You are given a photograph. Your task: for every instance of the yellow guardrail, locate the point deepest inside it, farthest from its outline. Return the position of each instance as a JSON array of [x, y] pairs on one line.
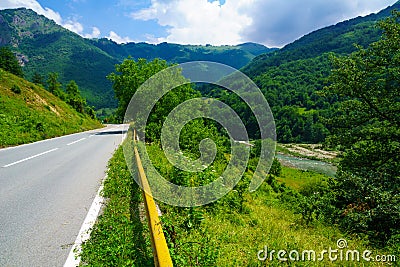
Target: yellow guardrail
[[158, 242]]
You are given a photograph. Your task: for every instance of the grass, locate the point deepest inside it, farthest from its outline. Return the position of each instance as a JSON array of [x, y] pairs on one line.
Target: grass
[[235, 238], [297, 179], [29, 113], [119, 237], [218, 234]]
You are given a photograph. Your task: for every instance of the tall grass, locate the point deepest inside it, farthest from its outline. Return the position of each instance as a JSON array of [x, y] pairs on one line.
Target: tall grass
[[224, 233]]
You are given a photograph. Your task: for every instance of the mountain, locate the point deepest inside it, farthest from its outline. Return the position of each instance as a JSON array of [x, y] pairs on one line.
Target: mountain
[[30, 113], [234, 56], [339, 38], [292, 78], [43, 46]]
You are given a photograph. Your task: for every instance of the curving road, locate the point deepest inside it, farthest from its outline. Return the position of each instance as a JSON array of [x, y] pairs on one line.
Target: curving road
[[46, 189]]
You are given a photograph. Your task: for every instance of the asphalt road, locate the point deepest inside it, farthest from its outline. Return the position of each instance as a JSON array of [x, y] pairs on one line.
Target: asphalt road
[[46, 189]]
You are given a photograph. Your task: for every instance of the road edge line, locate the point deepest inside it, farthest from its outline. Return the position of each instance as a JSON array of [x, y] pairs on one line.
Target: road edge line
[[74, 258], [49, 139], [87, 226]]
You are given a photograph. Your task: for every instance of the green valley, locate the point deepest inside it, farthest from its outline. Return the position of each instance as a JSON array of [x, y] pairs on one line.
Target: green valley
[[293, 209], [335, 100]]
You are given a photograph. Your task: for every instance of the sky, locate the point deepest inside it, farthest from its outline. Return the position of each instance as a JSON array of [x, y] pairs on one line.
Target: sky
[[273, 23]]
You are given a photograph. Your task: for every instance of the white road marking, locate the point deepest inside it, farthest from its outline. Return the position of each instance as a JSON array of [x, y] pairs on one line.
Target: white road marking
[[74, 258], [76, 141], [47, 140], [31, 157]]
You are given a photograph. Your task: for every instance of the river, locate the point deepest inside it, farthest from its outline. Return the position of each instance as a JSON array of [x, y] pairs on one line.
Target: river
[[308, 164]]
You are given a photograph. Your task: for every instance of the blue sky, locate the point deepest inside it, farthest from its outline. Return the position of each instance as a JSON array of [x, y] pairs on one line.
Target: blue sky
[[271, 22]]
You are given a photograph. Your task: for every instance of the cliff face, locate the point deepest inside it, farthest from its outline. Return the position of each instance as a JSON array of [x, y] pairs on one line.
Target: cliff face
[[17, 25]]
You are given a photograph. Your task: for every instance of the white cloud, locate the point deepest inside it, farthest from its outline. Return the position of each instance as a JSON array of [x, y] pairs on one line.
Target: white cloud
[[271, 22], [95, 33], [278, 22], [34, 5], [118, 39], [77, 27], [71, 24], [198, 21]]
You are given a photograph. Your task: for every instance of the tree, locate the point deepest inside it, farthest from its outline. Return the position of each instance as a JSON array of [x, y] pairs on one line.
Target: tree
[[54, 86], [9, 62], [74, 98], [37, 78], [129, 75], [367, 126]]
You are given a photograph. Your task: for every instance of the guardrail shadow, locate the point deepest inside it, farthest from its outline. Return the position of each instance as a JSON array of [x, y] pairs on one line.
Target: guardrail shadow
[[112, 132], [143, 256]]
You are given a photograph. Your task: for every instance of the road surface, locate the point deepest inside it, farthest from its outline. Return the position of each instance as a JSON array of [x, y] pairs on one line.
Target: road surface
[[46, 189]]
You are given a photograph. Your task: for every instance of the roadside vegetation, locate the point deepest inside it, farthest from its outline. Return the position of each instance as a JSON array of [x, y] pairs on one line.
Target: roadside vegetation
[[281, 214], [231, 231], [120, 236], [29, 113], [293, 209]]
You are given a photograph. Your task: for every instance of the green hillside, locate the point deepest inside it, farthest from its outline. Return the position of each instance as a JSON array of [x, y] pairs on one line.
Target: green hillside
[[43, 46], [339, 38], [235, 56], [293, 77], [29, 113]]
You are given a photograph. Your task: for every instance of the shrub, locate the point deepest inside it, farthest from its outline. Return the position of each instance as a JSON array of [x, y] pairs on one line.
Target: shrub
[[16, 89]]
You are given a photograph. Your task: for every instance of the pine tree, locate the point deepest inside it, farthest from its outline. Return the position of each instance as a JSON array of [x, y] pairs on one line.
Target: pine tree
[[74, 98], [54, 86], [9, 62]]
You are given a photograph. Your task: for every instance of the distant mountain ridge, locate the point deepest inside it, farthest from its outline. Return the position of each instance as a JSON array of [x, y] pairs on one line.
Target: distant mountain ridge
[[236, 56], [292, 78], [43, 46], [339, 38]]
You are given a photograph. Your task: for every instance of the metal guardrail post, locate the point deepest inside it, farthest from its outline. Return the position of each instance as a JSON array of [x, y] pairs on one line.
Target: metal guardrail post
[[161, 254]]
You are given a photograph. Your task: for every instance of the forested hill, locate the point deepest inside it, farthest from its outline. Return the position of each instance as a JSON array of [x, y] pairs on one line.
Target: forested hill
[[235, 56], [44, 47], [293, 77], [339, 38]]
